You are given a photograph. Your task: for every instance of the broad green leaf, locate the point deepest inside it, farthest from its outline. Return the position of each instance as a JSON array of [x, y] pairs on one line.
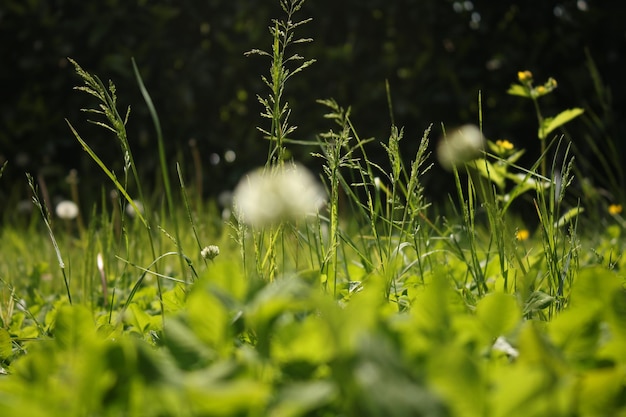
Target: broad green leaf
[[523, 391], [499, 313], [601, 392], [489, 171], [6, 349], [598, 286], [209, 319], [551, 123], [240, 397], [524, 183], [138, 318], [460, 380], [281, 296], [185, 346], [74, 327], [519, 90], [517, 155], [577, 331], [537, 301], [537, 350], [297, 399], [174, 299], [303, 341]]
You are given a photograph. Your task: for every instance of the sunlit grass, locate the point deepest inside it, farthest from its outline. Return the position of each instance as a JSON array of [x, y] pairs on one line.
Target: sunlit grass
[[337, 295]]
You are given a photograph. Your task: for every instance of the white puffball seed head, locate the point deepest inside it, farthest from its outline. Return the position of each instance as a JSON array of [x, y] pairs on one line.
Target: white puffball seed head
[[462, 145]]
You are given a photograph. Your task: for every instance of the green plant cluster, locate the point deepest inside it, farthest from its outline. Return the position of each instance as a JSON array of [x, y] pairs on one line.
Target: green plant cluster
[[346, 294], [231, 347]]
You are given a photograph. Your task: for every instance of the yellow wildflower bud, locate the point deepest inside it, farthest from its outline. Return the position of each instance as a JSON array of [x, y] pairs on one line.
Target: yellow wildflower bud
[[525, 76], [615, 209], [504, 144], [522, 235], [541, 90]]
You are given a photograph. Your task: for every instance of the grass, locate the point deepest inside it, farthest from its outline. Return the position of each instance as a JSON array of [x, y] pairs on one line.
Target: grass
[[371, 302]]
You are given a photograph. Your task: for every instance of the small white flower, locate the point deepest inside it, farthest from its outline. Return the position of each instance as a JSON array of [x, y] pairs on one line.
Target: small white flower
[[502, 345], [210, 252], [460, 146], [67, 210], [267, 197], [130, 210]]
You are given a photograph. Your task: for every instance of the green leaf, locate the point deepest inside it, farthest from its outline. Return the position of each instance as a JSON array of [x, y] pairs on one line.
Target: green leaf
[[514, 157], [551, 123], [489, 171], [138, 318], [601, 392], [460, 380], [569, 215], [6, 350], [74, 327], [519, 90], [301, 397], [537, 301], [499, 313]]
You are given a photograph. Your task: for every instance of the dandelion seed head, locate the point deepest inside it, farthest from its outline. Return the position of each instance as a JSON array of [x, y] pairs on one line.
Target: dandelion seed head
[[267, 197], [66, 210], [130, 210], [462, 145]]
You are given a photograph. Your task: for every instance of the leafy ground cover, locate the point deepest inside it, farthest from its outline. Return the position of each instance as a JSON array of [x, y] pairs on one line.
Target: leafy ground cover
[[343, 295]]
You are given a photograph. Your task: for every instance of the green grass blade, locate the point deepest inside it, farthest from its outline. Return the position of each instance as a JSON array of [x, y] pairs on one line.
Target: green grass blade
[[108, 173]]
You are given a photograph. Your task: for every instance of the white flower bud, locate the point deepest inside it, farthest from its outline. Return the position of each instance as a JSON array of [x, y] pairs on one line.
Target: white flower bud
[[210, 252]]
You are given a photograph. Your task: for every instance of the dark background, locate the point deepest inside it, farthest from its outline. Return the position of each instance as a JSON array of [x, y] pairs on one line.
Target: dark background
[[436, 54]]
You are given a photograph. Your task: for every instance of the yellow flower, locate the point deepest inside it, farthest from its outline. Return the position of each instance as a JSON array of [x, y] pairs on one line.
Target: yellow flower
[[525, 76], [615, 209], [522, 235], [504, 144], [541, 90]]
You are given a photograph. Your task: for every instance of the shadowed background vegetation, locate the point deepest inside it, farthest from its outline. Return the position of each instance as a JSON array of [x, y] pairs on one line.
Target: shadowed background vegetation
[[436, 55]]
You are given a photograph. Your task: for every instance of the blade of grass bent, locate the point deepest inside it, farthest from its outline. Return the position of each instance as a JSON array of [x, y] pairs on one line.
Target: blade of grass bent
[[108, 173], [162, 159]]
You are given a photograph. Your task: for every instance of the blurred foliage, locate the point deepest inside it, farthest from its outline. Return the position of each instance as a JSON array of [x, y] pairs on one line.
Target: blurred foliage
[[436, 55]]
